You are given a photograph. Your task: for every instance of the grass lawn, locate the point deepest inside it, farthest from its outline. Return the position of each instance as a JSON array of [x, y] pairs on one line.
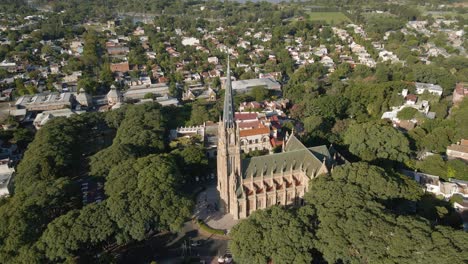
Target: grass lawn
[[329, 17]]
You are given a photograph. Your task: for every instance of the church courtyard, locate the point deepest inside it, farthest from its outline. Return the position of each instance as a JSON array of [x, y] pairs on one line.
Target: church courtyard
[[207, 209]]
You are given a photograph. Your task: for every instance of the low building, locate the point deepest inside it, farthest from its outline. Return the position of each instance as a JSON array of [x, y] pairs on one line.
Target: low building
[[433, 184], [190, 41], [195, 94], [45, 102], [167, 101], [44, 117], [461, 90], [5, 177], [120, 67], [138, 92], [117, 50], [429, 87], [244, 86], [459, 150]]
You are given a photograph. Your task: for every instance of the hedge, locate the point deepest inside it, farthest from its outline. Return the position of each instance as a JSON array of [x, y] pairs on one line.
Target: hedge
[[210, 230]]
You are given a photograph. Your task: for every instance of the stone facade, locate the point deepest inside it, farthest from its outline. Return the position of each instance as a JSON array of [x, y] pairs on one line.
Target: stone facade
[[283, 178]]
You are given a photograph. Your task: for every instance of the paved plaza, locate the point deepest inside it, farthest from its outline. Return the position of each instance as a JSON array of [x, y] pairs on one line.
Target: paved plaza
[[207, 209]]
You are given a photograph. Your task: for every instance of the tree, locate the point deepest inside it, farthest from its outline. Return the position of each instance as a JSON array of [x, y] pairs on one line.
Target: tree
[[434, 165], [274, 234], [106, 76], [192, 160], [356, 220], [199, 114], [78, 232], [142, 129], [457, 169], [91, 51], [144, 197], [373, 141], [407, 113], [88, 84], [259, 93], [149, 96], [103, 161]]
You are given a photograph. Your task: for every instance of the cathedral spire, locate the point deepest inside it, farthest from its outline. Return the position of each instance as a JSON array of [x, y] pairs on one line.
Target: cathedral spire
[[228, 110]]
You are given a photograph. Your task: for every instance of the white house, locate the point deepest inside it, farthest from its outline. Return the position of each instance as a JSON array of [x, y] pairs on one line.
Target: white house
[[190, 41], [431, 88], [5, 176]]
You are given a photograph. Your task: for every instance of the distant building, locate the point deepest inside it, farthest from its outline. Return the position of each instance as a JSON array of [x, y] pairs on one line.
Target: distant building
[[44, 117], [117, 50], [114, 96], [195, 94], [190, 41], [45, 102], [213, 60], [244, 86], [429, 87], [434, 185], [461, 90], [120, 67], [459, 150], [254, 135], [138, 92], [5, 177]]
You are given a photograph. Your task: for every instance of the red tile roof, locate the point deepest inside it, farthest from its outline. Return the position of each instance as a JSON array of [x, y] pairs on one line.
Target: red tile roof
[[251, 124], [411, 97], [245, 116], [254, 132]]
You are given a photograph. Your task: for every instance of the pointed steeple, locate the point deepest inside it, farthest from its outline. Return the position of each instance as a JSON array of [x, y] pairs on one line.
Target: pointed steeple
[[228, 110]]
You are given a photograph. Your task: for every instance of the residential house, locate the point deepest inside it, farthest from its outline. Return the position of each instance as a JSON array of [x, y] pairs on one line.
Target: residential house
[[122, 67], [459, 150], [6, 173], [213, 60], [461, 90], [431, 88], [190, 41]]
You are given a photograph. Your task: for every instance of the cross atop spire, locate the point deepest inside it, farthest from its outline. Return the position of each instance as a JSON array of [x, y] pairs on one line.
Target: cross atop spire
[[228, 110]]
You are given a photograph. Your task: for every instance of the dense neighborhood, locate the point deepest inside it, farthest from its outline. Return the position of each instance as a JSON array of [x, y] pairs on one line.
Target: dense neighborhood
[[193, 131]]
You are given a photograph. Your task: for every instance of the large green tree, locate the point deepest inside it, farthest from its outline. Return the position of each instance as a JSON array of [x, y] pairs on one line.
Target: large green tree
[[144, 196], [275, 234], [78, 232], [373, 141], [357, 223]]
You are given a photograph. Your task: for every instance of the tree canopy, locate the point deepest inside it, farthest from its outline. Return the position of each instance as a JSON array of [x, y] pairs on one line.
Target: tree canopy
[[274, 234], [358, 214], [373, 141]]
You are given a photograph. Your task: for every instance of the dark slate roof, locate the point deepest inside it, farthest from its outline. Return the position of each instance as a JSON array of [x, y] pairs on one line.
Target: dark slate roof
[[295, 155]]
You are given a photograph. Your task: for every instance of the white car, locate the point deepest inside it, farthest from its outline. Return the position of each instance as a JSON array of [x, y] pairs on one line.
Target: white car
[[228, 258]]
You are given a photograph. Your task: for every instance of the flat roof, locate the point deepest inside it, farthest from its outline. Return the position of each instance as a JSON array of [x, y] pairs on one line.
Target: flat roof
[[245, 84]]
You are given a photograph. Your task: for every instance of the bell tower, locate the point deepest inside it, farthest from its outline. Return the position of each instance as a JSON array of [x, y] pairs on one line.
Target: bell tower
[[228, 157]]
